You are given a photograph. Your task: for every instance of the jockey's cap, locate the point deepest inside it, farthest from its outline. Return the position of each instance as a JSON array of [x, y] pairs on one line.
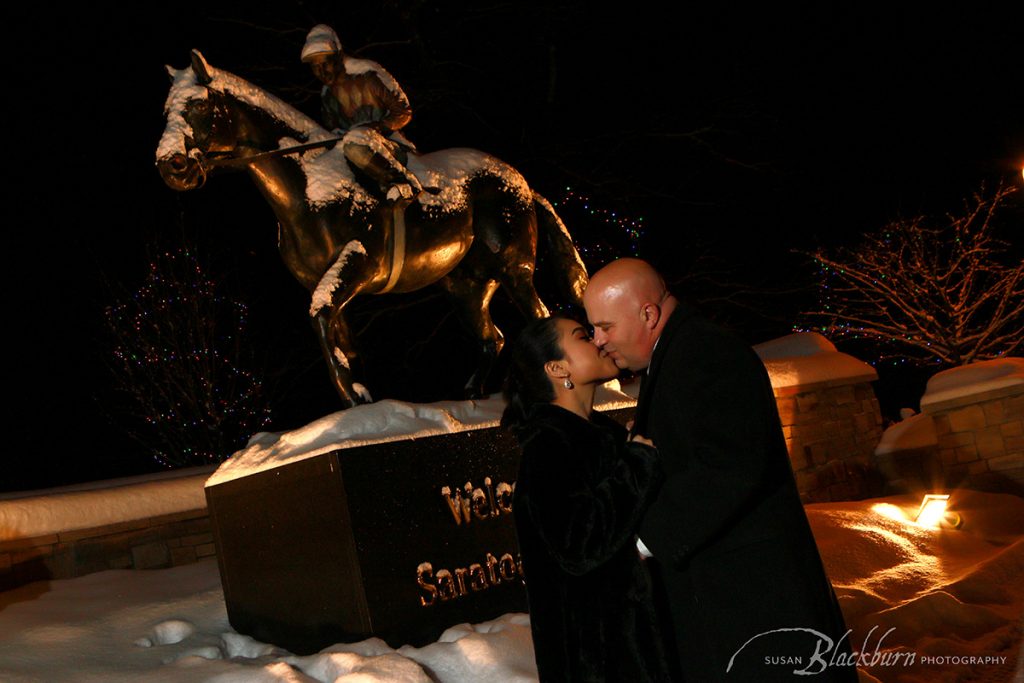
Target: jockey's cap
[[321, 39]]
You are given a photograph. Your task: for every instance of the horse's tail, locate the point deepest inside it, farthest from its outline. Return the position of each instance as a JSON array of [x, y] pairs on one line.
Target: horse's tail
[[566, 269]]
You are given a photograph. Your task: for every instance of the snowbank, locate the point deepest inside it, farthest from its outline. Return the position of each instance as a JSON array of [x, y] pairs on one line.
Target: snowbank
[[380, 422], [973, 379], [944, 595], [917, 431], [809, 358]]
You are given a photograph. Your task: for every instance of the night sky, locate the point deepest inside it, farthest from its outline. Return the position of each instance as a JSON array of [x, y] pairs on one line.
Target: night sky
[[739, 136]]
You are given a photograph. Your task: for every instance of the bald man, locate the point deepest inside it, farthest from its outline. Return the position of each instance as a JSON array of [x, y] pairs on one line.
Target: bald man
[[729, 540]]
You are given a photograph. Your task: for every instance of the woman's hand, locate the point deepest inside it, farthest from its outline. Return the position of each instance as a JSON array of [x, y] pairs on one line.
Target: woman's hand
[[636, 438]]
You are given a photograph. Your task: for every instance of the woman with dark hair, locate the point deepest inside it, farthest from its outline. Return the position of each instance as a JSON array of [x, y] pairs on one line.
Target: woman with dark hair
[[581, 491]]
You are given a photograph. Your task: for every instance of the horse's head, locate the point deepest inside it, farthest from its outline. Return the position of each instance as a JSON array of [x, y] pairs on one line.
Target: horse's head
[[200, 126]]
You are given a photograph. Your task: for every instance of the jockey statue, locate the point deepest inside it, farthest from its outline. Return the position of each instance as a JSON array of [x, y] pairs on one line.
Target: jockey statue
[[364, 104]]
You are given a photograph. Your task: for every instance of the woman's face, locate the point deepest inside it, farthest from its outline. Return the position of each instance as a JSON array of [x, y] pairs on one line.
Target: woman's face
[[586, 362]]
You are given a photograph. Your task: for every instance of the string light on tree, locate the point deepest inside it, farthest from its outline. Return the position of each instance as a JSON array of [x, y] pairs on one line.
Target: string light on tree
[[180, 365], [603, 233]]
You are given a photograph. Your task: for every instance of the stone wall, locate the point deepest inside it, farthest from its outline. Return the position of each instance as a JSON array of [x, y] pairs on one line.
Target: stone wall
[[981, 439], [831, 431], [148, 543]]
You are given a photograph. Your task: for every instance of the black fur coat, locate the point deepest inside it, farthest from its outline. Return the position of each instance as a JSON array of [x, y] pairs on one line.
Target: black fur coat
[[580, 495]]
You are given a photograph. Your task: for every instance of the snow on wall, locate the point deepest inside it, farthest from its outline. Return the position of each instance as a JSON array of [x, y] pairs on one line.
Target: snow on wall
[[972, 379], [808, 358], [797, 345], [45, 514], [380, 422]]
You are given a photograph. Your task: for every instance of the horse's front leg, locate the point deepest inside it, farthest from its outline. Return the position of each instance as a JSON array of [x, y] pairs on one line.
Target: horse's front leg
[[349, 275]]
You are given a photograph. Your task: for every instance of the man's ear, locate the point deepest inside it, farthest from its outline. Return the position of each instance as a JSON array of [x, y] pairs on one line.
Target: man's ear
[[650, 314], [556, 369]]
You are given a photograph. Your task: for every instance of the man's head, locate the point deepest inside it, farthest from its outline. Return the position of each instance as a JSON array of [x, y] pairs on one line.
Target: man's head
[[628, 305], [322, 52]]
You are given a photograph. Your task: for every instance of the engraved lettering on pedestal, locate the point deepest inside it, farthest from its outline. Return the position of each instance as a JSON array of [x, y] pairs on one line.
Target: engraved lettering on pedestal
[[504, 496], [479, 503], [492, 562], [423, 572], [477, 577], [507, 567], [460, 579], [458, 505], [445, 584]]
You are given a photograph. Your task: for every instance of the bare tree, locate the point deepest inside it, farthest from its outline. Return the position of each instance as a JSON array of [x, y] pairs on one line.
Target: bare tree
[[950, 295], [181, 365]]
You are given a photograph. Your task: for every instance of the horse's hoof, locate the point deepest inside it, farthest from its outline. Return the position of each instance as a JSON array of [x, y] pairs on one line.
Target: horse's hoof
[[362, 394], [473, 393]]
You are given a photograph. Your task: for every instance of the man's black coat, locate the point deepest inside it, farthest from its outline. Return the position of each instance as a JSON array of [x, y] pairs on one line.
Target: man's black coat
[[728, 532]]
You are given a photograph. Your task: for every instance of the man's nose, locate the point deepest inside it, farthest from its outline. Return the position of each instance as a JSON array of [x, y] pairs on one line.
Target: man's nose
[[599, 337]]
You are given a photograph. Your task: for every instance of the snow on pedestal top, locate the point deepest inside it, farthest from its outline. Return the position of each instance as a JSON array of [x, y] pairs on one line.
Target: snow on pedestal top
[[380, 422], [972, 379], [808, 358]]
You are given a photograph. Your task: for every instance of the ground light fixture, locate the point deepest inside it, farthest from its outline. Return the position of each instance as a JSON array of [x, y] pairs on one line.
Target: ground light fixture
[[933, 512]]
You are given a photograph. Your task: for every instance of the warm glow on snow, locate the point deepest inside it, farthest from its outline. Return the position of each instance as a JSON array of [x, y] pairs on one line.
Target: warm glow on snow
[[891, 511]]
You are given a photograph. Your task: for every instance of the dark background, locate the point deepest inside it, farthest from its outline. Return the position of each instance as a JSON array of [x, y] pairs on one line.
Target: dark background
[[737, 136]]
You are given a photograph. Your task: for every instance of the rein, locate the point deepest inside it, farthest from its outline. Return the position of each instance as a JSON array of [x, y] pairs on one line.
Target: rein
[[230, 161]]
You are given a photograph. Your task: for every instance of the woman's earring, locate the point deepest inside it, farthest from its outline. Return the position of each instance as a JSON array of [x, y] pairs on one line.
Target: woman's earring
[[568, 384]]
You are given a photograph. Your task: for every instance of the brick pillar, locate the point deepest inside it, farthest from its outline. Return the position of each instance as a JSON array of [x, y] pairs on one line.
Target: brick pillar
[[831, 431], [981, 439]]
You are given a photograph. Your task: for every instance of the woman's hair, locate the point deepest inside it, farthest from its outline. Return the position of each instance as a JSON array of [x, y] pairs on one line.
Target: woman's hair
[[527, 383]]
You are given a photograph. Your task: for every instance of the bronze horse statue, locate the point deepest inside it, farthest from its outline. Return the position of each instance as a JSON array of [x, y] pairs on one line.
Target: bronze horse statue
[[478, 228]]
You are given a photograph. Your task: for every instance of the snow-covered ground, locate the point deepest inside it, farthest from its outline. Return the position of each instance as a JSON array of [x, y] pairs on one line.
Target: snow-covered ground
[[951, 598]]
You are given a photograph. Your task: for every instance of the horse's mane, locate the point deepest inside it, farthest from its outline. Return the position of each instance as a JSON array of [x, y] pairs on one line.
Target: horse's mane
[[186, 87]]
